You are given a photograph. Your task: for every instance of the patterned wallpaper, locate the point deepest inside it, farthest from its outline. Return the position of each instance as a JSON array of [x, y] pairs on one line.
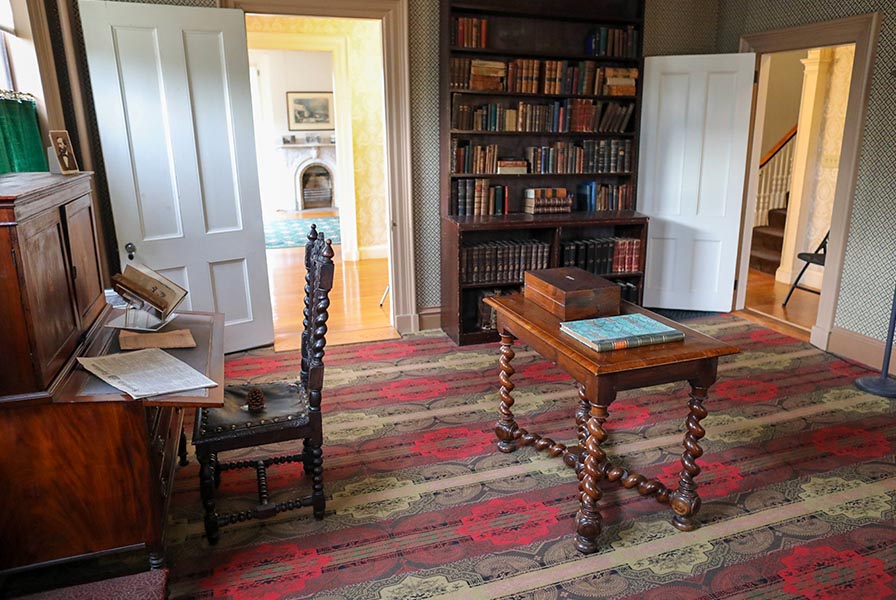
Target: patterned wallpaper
[[423, 39], [869, 270], [368, 115], [680, 27]]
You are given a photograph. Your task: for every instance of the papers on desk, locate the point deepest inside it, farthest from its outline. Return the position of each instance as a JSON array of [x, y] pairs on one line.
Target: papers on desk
[[145, 373]]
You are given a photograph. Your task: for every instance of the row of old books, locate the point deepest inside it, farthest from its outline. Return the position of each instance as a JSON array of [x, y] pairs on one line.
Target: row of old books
[[545, 201], [577, 115], [474, 158], [469, 32], [627, 290], [613, 42], [592, 156], [534, 76], [592, 196], [475, 197], [602, 255], [584, 78], [502, 261]]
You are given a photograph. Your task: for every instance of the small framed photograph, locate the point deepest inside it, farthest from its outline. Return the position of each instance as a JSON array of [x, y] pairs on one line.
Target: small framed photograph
[[65, 154], [309, 110]]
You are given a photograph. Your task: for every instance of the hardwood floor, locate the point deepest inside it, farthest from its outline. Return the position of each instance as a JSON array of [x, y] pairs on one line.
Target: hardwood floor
[[763, 305], [355, 314]]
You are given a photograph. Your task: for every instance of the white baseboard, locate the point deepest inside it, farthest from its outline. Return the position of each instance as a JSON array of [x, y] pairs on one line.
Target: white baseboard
[[858, 347], [407, 323]]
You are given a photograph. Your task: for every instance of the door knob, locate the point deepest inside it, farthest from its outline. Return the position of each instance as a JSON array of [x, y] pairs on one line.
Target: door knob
[[130, 248]]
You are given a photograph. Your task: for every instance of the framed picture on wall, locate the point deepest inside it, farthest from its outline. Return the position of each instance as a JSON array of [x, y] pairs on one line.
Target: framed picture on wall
[[309, 110]]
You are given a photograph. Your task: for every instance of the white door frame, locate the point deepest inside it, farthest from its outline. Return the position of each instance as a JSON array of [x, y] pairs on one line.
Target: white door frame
[[862, 31], [394, 17]]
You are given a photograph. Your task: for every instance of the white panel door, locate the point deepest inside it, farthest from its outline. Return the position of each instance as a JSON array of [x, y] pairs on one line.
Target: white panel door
[[171, 88], [695, 129]]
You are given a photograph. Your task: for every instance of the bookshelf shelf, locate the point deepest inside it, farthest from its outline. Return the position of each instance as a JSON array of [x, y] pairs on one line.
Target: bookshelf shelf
[[498, 54], [535, 134], [601, 97], [516, 55], [541, 175]]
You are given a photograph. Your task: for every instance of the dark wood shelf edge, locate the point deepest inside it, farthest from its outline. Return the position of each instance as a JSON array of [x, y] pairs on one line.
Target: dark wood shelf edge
[[537, 175], [520, 11], [601, 97], [512, 54], [553, 134], [523, 220]]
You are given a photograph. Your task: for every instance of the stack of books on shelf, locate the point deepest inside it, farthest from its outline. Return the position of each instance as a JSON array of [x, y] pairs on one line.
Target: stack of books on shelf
[[602, 256], [469, 32], [592, 196], [502, 261], [512, 166], [540, 201], [615, 42], [620, 81], [478, 74], [474, 197], [604, 334]]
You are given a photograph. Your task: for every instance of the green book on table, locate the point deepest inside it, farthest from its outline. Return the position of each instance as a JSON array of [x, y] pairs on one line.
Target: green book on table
[[623, 331]]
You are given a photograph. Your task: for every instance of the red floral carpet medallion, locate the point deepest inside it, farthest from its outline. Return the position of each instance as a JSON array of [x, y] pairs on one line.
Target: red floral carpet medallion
[[798, 485]]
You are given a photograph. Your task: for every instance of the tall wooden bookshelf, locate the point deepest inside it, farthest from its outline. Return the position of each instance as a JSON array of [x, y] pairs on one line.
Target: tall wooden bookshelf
[[538, 100]]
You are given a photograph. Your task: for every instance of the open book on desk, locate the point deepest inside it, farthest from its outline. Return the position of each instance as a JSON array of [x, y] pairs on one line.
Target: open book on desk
[[620, 332], [151, 298]]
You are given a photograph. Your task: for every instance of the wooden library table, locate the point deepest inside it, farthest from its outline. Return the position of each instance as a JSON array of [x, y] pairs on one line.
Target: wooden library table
[[600, 375], [90, 470]]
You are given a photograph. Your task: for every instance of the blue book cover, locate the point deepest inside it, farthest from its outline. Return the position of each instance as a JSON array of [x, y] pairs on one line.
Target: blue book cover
[[622, 331]]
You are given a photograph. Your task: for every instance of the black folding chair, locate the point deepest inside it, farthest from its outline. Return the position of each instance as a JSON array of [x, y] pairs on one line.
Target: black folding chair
[[810, 258]]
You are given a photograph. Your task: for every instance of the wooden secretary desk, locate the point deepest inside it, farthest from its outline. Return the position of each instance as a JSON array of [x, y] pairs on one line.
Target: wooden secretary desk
[[84, 469]]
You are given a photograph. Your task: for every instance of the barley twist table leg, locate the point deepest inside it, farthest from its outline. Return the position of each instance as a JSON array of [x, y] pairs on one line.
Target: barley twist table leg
[[685, 501], [588, 519], [506, 428]]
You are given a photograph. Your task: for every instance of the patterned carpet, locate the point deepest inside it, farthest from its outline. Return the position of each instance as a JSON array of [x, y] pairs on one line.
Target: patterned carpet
[[798, 488], [289, 233]]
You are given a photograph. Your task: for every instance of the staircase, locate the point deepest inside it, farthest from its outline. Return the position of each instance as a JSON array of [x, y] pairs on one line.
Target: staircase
[[765, 252]]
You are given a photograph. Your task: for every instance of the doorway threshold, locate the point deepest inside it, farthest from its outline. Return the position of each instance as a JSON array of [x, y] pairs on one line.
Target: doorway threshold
[[774, 323]]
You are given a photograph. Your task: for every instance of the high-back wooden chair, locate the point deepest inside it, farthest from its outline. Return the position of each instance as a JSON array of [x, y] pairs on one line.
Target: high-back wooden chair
[[291, 411]]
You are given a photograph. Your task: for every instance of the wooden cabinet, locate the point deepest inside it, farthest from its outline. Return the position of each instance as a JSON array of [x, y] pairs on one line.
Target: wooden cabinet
[[538, 100], [85, 469], [51, 288]]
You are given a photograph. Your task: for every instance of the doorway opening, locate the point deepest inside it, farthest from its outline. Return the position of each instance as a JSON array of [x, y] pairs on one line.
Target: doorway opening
[[321, 146], [807, 92]]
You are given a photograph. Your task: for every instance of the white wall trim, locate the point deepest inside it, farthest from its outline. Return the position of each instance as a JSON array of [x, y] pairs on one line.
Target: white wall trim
[[370, 252], [862, 31], [394, 17]]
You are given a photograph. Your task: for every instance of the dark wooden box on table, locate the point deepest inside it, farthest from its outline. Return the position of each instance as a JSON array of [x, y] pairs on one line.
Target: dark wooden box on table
[[570, 293]]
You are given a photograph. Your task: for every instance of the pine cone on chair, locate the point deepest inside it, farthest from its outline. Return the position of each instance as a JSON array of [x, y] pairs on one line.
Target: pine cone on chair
[[255, 400]]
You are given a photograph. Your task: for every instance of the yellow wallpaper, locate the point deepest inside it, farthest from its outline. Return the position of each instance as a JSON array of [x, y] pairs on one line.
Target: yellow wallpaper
[[365, 68]]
